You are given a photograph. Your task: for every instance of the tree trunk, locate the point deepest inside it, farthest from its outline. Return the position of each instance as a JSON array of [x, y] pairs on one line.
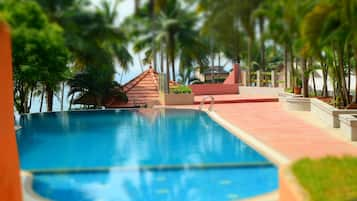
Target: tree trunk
[[153, 46], [250, 42], [344, 93], [62, 96], [137, 6], [23, 95], [304, 78], [311, 66], [172, 55], [286, 52], [349, 63], [325, 77], [262, 46], [356, 78], [212, 68], [161, 59], [42, 97], [219, 59], [49, 98], [314, 83], [292, 74], [168, 71], [30, 103], [70, 102]]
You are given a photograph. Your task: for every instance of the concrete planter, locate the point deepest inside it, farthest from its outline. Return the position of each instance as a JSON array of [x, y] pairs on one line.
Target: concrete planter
[[296, 103], [348, 125], [176, 99], [328, 113]]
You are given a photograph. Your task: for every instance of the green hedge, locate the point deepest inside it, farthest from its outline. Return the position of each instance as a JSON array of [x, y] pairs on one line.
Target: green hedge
[[181, 89]]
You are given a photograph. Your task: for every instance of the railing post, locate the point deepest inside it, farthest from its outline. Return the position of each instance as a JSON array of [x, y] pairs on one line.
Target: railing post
[[258, 79], [244, 78], [203, 102], [163, 85], [273, 79], [288, 79]]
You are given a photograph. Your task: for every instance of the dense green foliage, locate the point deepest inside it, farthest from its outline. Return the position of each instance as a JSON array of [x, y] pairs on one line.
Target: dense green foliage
[[181, 89], [169, 31], [328, 179], [64, 40], [40, 55], [57, 41]]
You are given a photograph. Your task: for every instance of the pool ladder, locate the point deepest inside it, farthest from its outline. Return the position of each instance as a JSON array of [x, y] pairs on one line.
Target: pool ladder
[[203, 102]]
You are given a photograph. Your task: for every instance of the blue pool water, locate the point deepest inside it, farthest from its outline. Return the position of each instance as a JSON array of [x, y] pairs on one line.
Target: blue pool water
[[134, 155]]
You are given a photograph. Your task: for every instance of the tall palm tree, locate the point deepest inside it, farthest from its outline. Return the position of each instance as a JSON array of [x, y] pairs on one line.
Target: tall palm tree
[[174, 32], [228, 34], [334, 32]]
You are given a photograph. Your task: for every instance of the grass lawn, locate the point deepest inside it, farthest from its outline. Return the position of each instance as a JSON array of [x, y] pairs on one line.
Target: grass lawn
[[328, 179]]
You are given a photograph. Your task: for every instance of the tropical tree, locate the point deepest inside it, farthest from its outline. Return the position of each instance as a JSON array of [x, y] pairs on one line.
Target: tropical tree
[[94, 40], [229, 34], [174, 35], [91, 87], [39, 52], [337, 32], [97, 45]]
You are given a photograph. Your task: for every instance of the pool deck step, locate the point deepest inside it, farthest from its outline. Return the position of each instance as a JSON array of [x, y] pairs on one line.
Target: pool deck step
[[240, 100]]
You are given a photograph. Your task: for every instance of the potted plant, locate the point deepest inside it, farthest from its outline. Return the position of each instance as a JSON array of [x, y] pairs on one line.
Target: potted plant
[[298, 86]]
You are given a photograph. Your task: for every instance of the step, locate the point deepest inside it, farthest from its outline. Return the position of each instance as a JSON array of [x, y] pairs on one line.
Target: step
[[142, 92], [141, 88]]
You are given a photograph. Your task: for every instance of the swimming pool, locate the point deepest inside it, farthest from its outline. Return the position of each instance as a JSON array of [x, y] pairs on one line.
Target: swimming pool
[[146, 154]]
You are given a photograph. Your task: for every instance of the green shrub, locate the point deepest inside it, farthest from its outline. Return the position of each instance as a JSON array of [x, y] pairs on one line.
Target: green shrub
[[181, 89], [289, 90]]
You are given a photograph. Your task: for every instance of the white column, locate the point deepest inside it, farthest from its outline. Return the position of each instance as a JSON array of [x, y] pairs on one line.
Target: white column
[[258, 79], [244, 78]]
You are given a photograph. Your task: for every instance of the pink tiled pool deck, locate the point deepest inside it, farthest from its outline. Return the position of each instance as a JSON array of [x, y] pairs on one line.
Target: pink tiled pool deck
[[282, 131], [292, 137]]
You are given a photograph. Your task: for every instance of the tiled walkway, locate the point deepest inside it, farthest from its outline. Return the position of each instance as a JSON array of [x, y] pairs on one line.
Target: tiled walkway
[[281, 130]]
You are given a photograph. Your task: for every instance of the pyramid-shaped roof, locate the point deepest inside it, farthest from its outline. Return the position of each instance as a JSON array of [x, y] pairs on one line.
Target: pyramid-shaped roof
[[142, 90]]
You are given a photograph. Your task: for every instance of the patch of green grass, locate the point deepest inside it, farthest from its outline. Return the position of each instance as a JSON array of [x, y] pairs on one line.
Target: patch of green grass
[[328, 179]]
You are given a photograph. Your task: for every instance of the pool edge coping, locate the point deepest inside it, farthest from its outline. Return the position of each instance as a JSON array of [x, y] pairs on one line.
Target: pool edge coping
[[28, 193], [270, 196]]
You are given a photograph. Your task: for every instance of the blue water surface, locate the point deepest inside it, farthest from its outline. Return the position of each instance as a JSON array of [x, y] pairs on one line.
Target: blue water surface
[[52, 145]]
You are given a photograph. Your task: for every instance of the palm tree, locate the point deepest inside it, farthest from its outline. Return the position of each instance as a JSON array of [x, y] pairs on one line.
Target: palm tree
[[229, 34], [336, 32], [92, 87], [174, 34]]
